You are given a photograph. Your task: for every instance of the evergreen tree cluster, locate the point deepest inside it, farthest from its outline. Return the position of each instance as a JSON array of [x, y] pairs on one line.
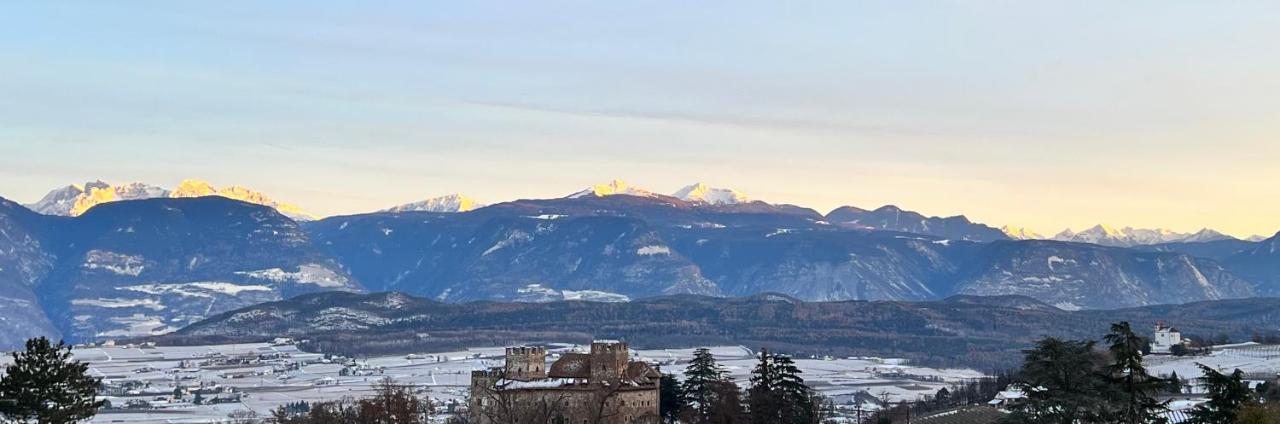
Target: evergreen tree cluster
[[777, 394]]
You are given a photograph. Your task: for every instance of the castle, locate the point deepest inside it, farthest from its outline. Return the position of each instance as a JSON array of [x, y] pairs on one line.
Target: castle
[[603, 386]]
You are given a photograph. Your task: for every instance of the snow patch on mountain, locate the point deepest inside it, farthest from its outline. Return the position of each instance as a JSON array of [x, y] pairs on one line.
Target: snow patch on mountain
[[117, 303], [537, 293], [116, 263], [202, 289], [137, 325], [515, 236], [653, 250], [315, 274]]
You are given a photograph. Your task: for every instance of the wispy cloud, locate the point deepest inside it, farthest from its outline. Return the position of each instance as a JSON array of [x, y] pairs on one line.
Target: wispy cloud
[[756, 122]]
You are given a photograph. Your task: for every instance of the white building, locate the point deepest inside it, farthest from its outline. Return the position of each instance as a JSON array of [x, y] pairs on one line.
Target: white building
[[1166, 338]]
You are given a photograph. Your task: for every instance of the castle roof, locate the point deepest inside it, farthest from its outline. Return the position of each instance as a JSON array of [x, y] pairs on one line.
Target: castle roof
[[571, 365], [578, 365]]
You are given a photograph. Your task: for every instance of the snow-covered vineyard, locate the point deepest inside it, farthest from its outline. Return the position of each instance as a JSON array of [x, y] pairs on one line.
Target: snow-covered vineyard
[[141, 381]]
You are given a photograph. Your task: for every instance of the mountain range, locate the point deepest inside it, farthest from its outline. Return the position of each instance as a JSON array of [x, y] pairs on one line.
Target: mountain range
[[1129, 237], [147, 266], [75, 199]]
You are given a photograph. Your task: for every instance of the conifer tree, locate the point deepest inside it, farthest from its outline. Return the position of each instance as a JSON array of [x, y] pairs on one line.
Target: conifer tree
[[45, 385], [778, 394], [1227, 394], [700, 379], [1060, 379], [763, 401], [1136, 403], [797, 397], [671, 399]]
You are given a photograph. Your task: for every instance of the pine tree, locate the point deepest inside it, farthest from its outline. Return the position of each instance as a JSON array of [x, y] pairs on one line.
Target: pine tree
[[1136, 403], [1227, 394], [726, 404], [45, 385], [796, 396], [700, 379], [763, 400], [671, 398], [1060, 379], [778, 394]]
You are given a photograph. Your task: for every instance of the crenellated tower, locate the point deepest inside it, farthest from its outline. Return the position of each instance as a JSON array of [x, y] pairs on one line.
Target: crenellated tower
[[608, 359], [526, 363]]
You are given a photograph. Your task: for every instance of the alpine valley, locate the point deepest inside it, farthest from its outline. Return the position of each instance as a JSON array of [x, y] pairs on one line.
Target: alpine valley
[[99, 261]]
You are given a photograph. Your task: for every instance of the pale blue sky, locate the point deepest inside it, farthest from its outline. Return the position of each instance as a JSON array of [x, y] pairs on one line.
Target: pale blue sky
[[1046, 115]]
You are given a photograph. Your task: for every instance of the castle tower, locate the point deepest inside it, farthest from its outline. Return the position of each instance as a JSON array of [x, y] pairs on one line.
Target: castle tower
[[526, 363], [608, 359]]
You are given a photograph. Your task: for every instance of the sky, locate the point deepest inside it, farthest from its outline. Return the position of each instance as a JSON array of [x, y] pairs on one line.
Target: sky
[[1037, 114]]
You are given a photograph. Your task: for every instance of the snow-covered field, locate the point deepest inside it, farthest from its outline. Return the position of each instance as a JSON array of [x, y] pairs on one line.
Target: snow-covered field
[[259, 377], [1252, 358]]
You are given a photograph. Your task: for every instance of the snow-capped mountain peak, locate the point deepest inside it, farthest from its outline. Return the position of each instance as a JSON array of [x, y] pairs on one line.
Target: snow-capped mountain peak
[[198, 188], [447, 203], [194, 188], [75, 199], [1020, 233], [702, 193], [1129, 236], [1205, 235], [612, 188]]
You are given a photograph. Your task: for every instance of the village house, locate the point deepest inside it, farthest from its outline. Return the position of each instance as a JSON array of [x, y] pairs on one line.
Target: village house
[[1165, 339], [602, 386]]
